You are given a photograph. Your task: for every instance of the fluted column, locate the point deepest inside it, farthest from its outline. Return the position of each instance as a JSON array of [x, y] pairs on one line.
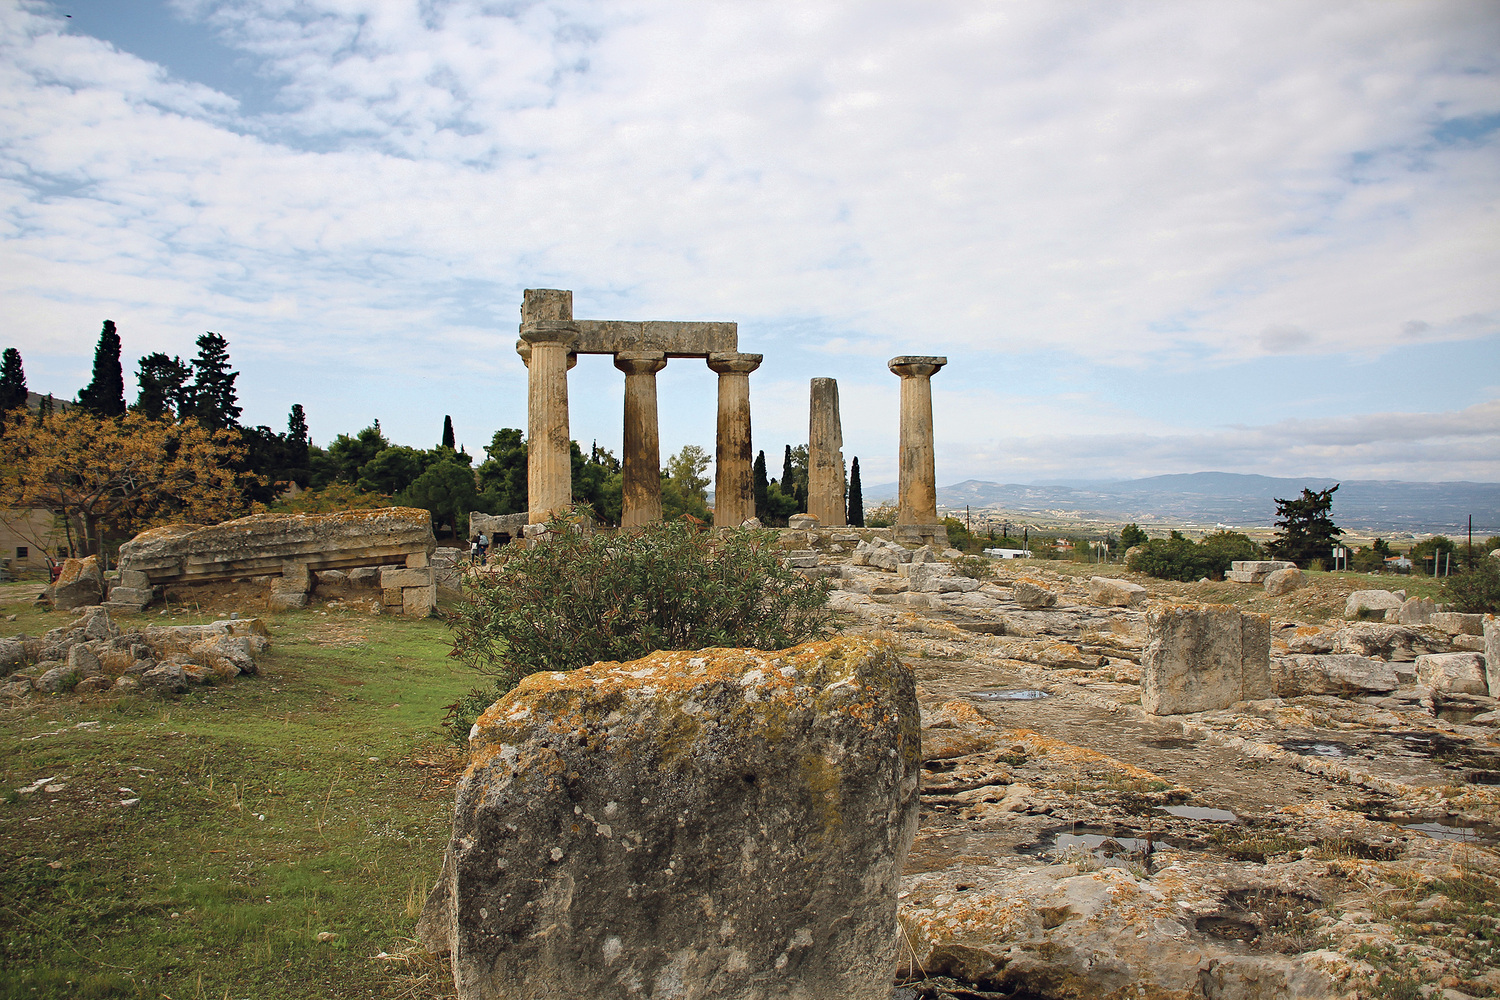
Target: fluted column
[[734, 497], [642, 471], [825, 453], [547, 329], [918, 482]]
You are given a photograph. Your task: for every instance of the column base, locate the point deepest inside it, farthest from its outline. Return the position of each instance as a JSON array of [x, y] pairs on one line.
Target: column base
[[914, 536]]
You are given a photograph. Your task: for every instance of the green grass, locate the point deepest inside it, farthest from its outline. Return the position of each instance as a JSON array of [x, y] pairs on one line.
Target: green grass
[[262, 822]]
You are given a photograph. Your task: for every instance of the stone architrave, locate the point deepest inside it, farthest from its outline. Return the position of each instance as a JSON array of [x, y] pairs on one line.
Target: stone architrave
[[642, 466], [1204, 657], [825, 454], [917, 495], [547, 327], [725, 823], [734, 495]]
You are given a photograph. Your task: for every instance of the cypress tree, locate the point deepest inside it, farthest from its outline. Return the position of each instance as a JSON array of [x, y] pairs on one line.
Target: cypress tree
[[297, 442], [856, 516], [164, 386], [788, 474], [214, 394], [759, 486], [12, 381], [448, 438], [105, 395]]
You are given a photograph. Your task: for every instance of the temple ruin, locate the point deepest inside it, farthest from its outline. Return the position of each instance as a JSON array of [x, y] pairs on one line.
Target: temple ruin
[[551, 340]]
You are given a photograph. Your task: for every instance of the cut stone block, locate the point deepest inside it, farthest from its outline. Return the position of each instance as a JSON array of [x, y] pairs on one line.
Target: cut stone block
[[406, 578], [1455, 623], [1341, 674], [802, 558], [418, 602], [1204, 657], [416, 560], [391, 597], [1107, 592], [1452, 673], [1284, 581], [1255, 570], [1380, 601], [1492, 653]]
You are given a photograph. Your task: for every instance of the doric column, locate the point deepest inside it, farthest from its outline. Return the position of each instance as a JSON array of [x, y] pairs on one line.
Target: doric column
[[734, 497], [825, 454], [642, 472], [547, 328], [918, 490]]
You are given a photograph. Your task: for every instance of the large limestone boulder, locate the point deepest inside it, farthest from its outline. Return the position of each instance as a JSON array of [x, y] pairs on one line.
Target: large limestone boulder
[[1341, 674], [726, 823], [1284, 581], [1415, 611], [1255, 570], [79, 584], [1455, 623], [1108, 592], [1452, 673], [1204, 657], [1364, 601]]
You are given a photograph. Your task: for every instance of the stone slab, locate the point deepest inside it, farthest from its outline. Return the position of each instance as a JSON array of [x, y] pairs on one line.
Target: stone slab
[[1204, 657]]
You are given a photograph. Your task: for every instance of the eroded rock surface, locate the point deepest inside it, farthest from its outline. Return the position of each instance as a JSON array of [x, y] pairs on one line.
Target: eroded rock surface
[[726, 823]]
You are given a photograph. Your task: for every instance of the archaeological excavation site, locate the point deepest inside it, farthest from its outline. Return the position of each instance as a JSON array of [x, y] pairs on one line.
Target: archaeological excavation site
[[959, 777]]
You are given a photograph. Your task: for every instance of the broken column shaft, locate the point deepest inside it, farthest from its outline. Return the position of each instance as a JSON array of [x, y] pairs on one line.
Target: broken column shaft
[[825, 454]]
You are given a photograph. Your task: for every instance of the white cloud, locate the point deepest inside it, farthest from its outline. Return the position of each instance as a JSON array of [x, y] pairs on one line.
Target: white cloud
[[1127, 184]]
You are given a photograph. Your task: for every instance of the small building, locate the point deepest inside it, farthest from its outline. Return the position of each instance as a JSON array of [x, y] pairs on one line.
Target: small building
[[1008, 553], [1398, 564], [28, 537]]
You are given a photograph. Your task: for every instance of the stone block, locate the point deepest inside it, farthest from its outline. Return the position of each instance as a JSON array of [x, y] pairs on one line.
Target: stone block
[[131, 598], [416, 560], [1363, 601], [1452, 673], [365, 577], [801, 522], [286, 600], [1455, 623], [1415, 611], [84, 661], [12, 655], [802, 558], [80, 584], [1108, 592], [1204, 657], [134, 579], [418, 602], [733, 825], [295, 575], [924, 577], [1284, 581], [1341, 674], [406, 578], [1031, 594], [391, 597], [1255, 570], [1492, 653]]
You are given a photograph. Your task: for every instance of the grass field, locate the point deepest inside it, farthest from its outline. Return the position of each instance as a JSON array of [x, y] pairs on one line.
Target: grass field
[[287, 828]]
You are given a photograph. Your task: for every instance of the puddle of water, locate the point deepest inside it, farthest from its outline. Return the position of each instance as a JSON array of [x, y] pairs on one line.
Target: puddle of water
[[1315, 748], [1201, 812], [1058, 841], [1454, 830], [1017, 694]]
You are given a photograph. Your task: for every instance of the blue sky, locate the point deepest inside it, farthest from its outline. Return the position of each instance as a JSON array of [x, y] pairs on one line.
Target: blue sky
[[1151, 238]]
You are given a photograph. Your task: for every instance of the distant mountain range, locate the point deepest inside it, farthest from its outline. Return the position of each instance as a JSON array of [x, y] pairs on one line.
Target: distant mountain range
[[1210, 498]]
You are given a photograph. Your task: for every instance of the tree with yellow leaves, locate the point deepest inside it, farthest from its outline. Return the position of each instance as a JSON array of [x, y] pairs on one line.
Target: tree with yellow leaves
[[120, 473]]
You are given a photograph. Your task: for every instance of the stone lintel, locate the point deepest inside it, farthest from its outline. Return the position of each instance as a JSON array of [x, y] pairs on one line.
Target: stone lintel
[[672, 338]]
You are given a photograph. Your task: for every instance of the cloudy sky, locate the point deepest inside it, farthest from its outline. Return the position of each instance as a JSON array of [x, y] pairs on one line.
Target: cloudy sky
[[1149, 237]]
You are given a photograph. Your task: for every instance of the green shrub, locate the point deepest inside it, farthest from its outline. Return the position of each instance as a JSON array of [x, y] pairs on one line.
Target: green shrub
[[974, 567], [577, 599], [1175, 558], [1476, 591]]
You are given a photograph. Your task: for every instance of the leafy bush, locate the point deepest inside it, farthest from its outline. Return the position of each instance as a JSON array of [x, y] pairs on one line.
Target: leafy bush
[[577, 599], [974, 567], [881, 517], [1175, 558], [1477, 591]]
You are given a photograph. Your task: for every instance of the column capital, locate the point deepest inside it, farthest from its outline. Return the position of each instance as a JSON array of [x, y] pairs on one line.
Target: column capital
[[524, 350], [550, 331], [730, 363], [640, 362], [916, 366]]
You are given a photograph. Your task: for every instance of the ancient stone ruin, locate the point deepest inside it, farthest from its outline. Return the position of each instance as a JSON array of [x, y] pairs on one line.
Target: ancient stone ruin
[[917, 522], [286, 553], [92, 654], [551, 340], [724, 823]]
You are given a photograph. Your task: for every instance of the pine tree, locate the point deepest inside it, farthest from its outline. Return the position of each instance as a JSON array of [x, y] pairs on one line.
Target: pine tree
[[448, 438], [214, 395], [105, 395], [12, 381], [165, 391], [759, 486], [856, 517], [1307, 528]]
